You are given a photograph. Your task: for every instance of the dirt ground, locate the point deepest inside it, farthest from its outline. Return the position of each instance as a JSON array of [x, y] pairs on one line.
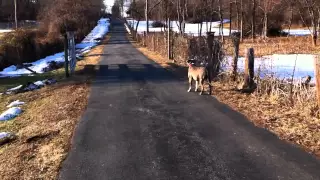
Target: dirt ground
[[45, 127]]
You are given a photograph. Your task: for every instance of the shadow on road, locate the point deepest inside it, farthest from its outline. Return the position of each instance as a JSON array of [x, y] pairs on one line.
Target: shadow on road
[[127, 73]]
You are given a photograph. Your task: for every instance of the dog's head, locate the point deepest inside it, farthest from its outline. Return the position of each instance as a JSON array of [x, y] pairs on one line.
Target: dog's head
[[191, 62]]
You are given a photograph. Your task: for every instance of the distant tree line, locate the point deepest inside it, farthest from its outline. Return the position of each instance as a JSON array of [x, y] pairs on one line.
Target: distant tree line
[[252, 17], [55, 17], [26, 9]]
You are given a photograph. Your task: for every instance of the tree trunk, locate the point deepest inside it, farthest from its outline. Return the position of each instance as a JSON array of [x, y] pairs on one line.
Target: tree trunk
[[221, 21], [169, 39], [290, 20], [235, 36], [253, 26], [15, 14], [200, 34], [265, 25], [66, 59], [238, 15], [314, 33], [230, 17], [210, 38], [179, 15], [147, 15], [136, 30], [241, 21]]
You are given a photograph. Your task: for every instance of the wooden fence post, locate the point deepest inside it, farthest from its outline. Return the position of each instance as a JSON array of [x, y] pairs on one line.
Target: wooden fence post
[[210, 38], [317, 76], [249, 70], [235, 36]]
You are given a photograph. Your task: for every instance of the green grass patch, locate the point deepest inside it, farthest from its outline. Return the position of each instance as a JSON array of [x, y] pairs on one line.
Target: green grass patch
[[6, 83]]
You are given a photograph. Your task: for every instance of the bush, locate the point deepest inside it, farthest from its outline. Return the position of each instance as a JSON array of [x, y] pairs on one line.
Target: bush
[[24, 46], [157, 24], [276, 32], [194, 21]]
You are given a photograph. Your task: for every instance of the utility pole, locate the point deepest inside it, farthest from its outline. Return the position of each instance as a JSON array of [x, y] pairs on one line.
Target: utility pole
[[15, 13], [147, 15]]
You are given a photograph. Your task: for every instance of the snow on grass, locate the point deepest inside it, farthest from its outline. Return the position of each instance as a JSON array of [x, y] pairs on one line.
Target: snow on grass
[[39, 83], [91, 40], [279, 65], [15, 103], [282, 66], [298, 32], [5, 30], [4, 135], [15, 88], [190, 29], [10, 113]]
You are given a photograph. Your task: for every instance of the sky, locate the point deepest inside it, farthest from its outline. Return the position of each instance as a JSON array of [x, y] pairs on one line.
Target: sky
[[109, 4]]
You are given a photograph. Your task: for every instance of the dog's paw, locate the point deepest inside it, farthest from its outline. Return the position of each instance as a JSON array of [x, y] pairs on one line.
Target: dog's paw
[[189, 90]]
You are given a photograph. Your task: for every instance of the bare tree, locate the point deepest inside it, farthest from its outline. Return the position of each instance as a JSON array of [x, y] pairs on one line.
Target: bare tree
[[181, 6], [312, 7], [15, 14], [221, 20], [253, 19], [267, 6]]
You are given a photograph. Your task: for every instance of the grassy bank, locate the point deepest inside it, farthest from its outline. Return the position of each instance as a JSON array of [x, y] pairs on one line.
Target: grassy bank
[[46, 126]]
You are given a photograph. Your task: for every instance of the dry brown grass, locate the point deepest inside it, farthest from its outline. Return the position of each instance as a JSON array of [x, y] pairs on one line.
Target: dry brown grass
[[181, 48], [278, 45], [46, 126], [297, 123]]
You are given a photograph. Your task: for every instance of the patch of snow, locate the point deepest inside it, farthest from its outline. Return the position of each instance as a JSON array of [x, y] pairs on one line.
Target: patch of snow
[[15, 103], [4, 135], [15, 88], [190, 29], [5, 30], [281, 65], [10, 113], [298, 32], [39, 83], [88, 43]]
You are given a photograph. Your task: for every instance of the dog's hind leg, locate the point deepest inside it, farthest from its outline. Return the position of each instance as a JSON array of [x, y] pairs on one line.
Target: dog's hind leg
[[197, 86]]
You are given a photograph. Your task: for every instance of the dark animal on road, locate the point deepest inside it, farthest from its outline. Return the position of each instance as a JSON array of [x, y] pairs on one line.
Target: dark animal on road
[[198, 73]]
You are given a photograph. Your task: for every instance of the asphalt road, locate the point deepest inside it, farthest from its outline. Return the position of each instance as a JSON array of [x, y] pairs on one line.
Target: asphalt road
[[142, 124]]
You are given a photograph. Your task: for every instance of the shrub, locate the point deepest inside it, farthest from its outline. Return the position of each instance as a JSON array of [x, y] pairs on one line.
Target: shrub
[[23, 46], [276, 32], [194, 20], [157, 24]]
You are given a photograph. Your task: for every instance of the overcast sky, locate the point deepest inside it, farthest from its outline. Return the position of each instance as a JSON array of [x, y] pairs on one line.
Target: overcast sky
[[109, 4]]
